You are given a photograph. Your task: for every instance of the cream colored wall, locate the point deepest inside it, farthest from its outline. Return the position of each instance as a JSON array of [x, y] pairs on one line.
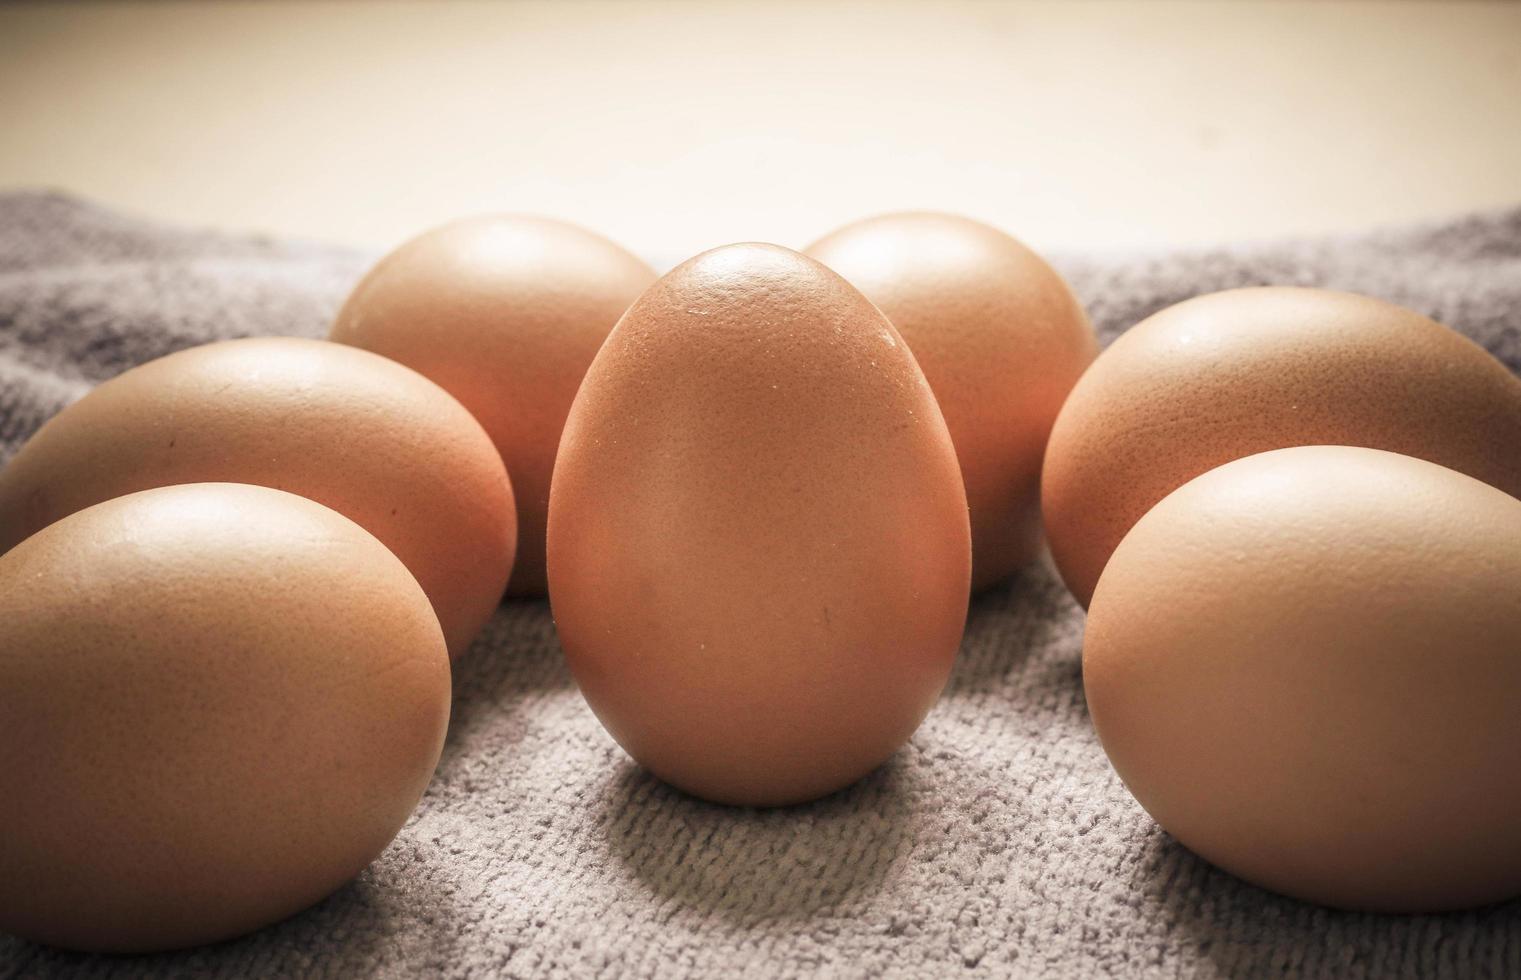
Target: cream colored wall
[[676, 126]]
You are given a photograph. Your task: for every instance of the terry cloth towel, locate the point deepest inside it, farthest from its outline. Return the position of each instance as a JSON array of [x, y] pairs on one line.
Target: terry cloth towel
[[997, 843]]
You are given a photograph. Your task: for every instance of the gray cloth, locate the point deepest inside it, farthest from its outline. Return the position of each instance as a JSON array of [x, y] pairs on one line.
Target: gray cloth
[[998, 842]]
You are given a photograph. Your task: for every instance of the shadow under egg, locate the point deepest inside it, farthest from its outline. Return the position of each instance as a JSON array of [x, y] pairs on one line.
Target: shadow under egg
[[516, 657], [351, 932], [1244, 930], [747, 864], [1011, 623]]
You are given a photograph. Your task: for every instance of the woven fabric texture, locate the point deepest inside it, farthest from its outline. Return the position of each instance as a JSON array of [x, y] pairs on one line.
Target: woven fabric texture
[[998, 842]]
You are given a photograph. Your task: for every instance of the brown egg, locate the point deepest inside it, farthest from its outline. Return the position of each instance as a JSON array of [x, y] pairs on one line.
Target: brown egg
[[758, 544], [376, 442], [219, 703], [1305, 665], [505, 312], [1235, 373], [1001, 339]]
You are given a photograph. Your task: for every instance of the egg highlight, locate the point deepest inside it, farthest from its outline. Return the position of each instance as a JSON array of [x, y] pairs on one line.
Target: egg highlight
[[1230, 374], [1001, 339], [371, 439], [1305, 665], [505, 312], [219, 702], [759, 552]]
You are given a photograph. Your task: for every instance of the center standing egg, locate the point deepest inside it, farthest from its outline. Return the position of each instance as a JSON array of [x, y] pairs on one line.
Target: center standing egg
[[758, 547]]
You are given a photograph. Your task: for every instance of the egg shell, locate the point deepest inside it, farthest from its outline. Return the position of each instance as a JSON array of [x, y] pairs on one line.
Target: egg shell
[[373, 440], [1305, 665], [505, 312], [1001, 339], [759, 554], [218, 703], [1230, 374]]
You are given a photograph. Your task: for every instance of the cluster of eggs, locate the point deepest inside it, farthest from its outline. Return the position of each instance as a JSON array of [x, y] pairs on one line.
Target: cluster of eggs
[[233, 579]]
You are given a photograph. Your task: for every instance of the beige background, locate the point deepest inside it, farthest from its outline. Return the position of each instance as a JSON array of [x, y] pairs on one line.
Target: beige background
[[676, 126]]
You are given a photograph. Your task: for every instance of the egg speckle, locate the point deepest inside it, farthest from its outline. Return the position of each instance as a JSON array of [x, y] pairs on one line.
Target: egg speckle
[[759, 553], [1001, 339]]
